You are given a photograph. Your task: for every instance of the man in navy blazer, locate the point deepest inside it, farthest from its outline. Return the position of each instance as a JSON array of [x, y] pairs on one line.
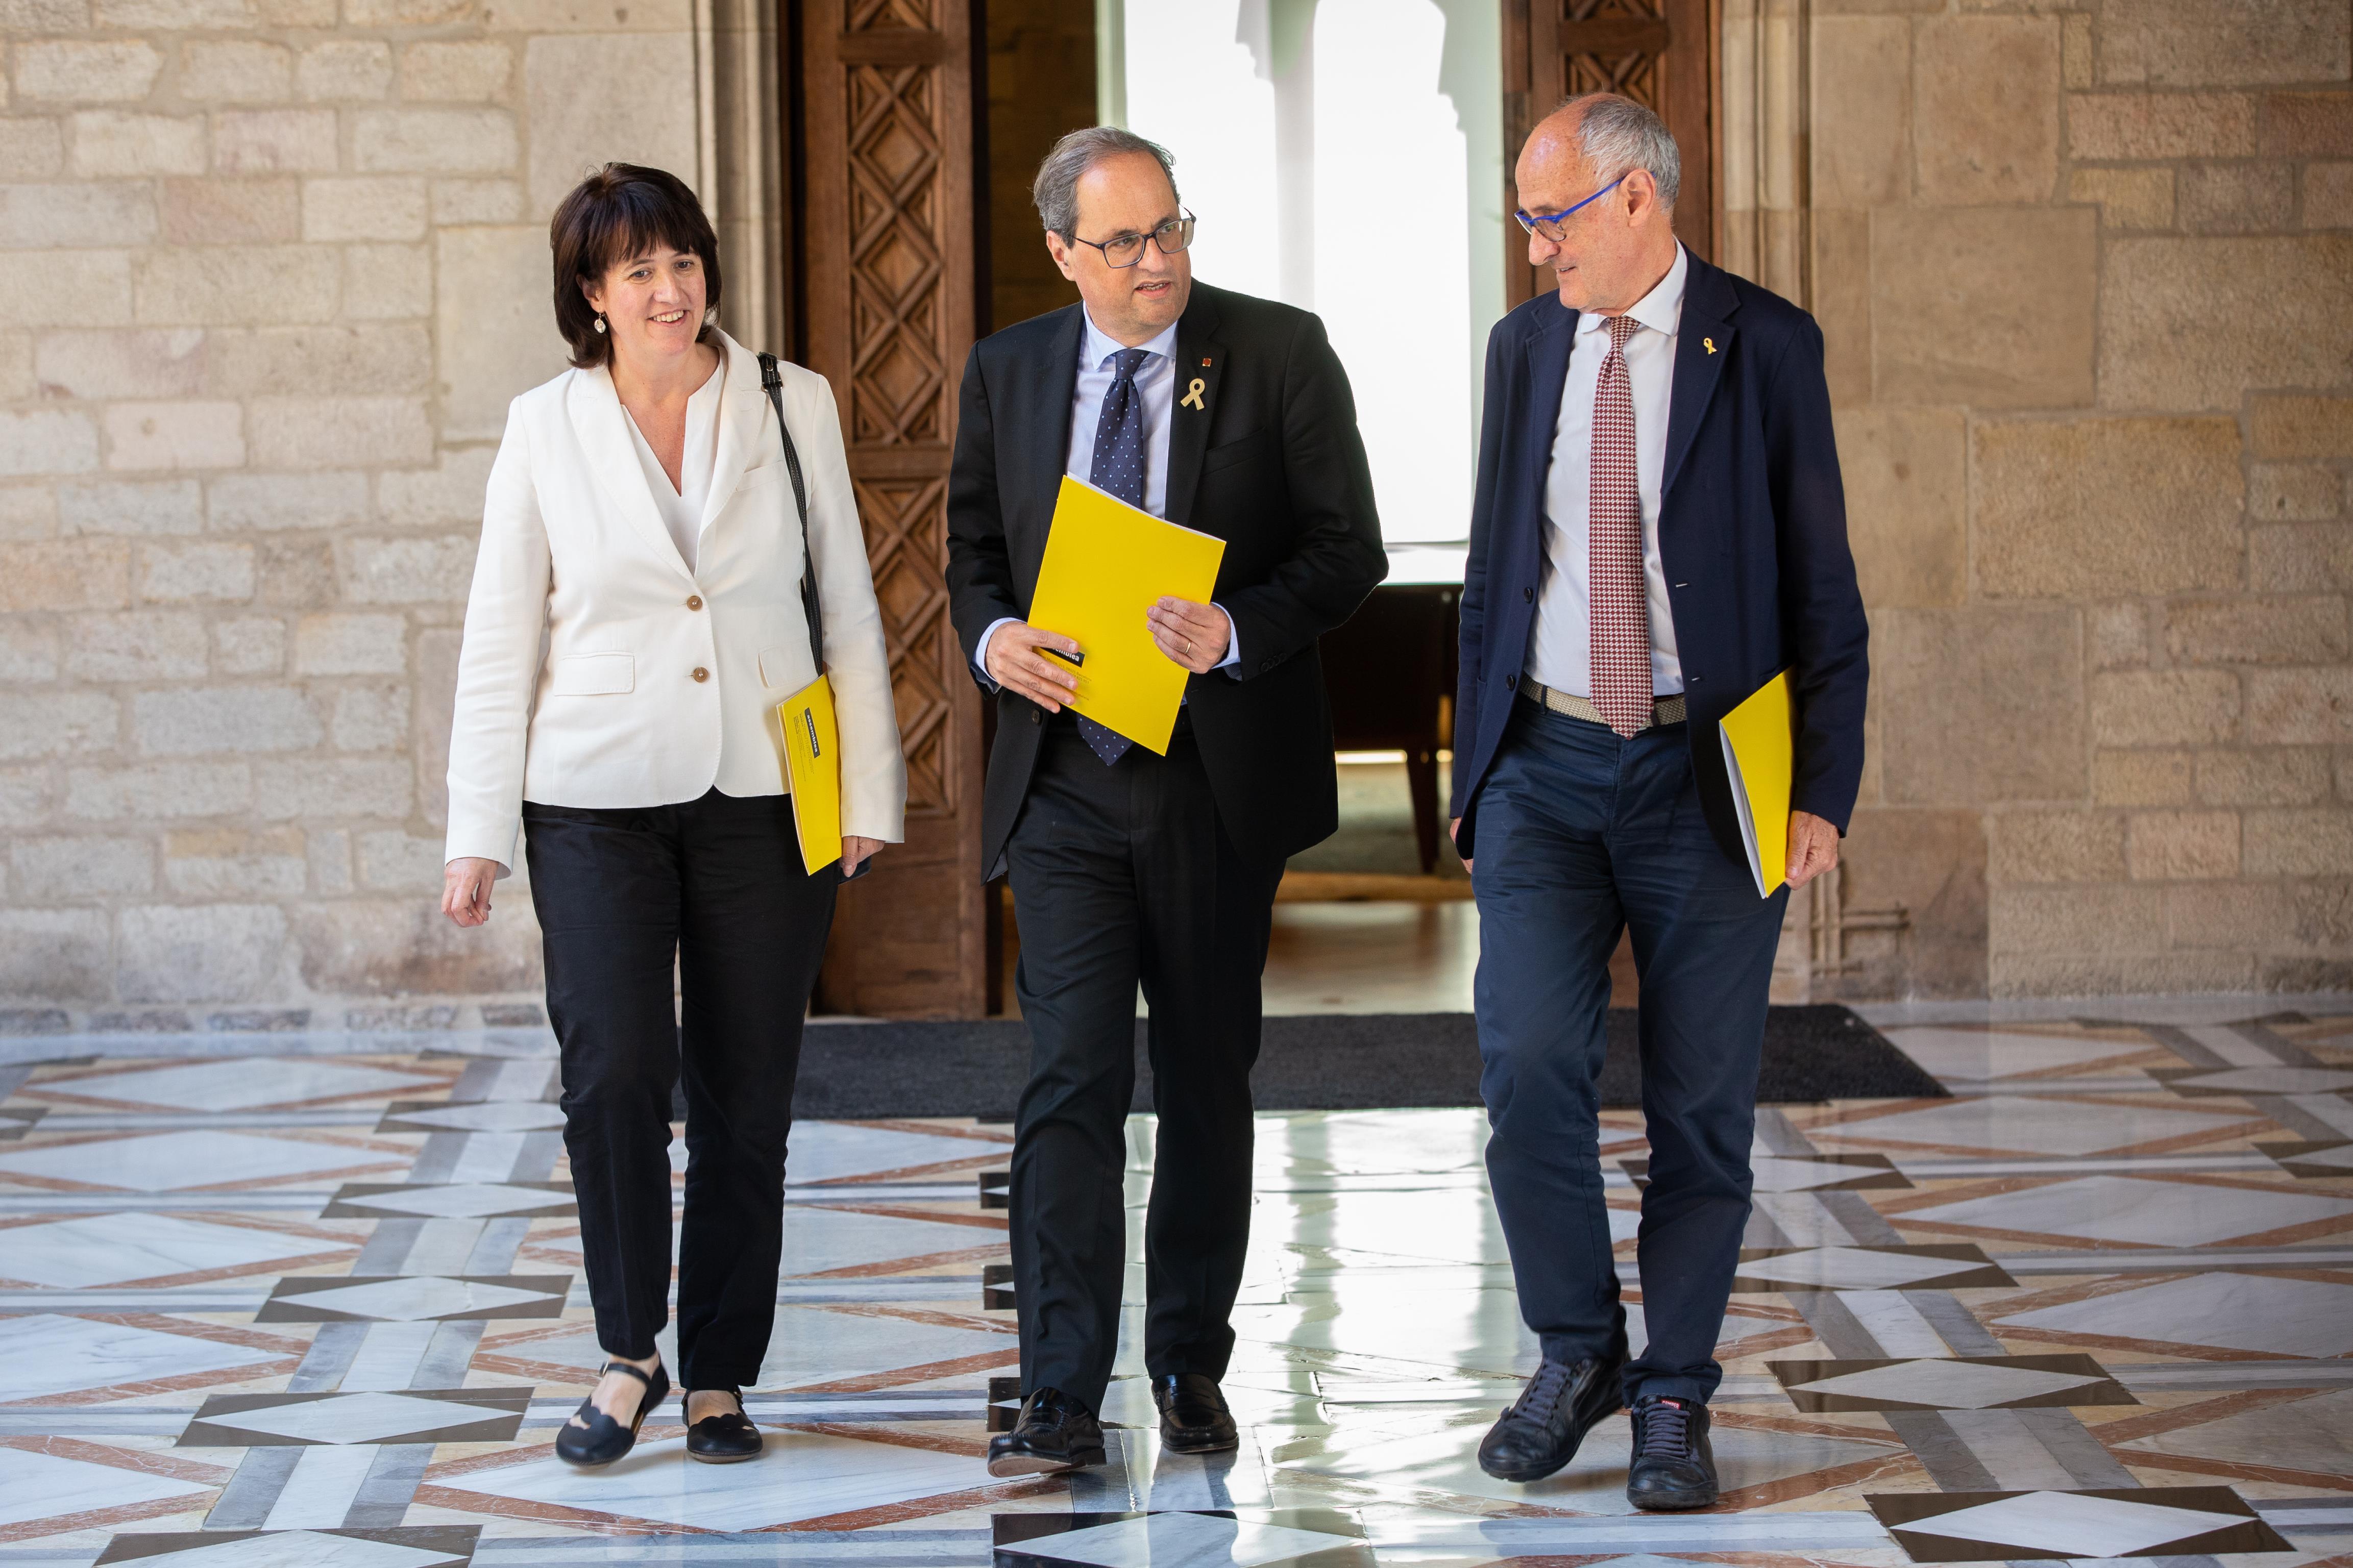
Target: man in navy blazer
[[1659, 530]]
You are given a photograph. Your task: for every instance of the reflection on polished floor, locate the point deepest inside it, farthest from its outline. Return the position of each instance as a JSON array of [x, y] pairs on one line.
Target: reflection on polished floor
[[314, 1299]]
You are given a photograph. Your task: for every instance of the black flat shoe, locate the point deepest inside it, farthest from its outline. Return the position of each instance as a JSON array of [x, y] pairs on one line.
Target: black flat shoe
[[1673, 1467], [727, 1439], [1193, 1414], [592, 1438], [1540, 1432], [1054, 1432]]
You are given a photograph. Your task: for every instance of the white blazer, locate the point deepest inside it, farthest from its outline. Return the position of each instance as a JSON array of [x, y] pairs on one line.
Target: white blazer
[[597, 670]]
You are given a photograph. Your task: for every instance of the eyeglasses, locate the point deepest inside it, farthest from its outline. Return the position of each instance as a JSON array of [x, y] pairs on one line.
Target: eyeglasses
[[1127, 249], [1546, 225]]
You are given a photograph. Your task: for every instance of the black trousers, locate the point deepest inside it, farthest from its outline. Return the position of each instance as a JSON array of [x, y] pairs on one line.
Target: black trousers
[[1122, 875], [716, 885]]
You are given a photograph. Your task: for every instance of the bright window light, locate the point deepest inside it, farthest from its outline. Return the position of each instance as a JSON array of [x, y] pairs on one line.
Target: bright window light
[[1339, 157]]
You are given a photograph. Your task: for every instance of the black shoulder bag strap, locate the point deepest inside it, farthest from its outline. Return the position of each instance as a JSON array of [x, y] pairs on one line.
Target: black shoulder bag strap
[[772, 381]]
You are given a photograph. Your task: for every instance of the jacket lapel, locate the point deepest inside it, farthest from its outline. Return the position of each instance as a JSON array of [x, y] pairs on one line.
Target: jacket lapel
[[1702, 347], [1039, 397], [1200, 364], [1050, 456], [602, 428], [1548, 356], [742, 424]]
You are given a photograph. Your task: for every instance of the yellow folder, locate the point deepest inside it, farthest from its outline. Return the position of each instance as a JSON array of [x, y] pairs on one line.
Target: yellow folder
[[1106, 564], [813, 771], [1759, 753]]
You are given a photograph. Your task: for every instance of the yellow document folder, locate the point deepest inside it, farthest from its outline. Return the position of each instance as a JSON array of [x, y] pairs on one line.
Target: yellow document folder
[[1106, 564], [813, 771], [1760, 752]]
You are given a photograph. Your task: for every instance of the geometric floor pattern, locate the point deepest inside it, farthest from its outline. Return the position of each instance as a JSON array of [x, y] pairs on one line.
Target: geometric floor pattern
[[314, 1301]]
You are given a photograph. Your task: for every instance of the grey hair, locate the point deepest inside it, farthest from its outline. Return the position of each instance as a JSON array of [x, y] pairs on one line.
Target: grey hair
[[1618, 136], [1056, 188]]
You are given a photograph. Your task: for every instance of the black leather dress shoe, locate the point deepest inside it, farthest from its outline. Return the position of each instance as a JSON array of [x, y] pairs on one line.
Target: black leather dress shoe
[[1672, 1467], [1540, 1432], [727, 1439], [592, 1438], [1193, 1414], [1053, 1432]]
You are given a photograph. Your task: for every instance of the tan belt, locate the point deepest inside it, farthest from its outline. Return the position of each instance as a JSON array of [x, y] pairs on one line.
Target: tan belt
[[1667, 712]]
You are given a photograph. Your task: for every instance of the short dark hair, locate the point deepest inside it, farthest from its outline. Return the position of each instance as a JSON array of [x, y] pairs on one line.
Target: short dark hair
[[1056, 188], [619, 211]]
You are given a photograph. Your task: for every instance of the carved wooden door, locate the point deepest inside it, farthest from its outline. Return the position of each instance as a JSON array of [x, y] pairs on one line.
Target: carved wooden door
[[887, 292], [1659, 53]]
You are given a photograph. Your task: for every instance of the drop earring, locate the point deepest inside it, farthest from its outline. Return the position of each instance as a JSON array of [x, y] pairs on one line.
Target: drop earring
[[600, 323]]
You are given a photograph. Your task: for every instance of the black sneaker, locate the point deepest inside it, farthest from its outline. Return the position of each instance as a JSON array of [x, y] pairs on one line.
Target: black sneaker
[[1672, 1467], [1540, 1432]]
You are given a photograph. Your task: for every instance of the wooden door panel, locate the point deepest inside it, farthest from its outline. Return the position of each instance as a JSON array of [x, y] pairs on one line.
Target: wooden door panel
[[1659, 53], [888, 269]]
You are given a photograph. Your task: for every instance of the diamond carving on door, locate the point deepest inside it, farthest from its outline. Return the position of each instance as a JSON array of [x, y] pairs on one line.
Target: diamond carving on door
[[887, 245]]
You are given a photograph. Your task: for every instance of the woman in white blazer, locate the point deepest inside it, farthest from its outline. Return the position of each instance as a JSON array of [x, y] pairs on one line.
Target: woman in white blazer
[[636, 618]]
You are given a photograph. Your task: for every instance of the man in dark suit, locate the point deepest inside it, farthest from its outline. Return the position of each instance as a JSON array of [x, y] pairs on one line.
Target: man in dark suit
[[1658, 530], [1230, 415]]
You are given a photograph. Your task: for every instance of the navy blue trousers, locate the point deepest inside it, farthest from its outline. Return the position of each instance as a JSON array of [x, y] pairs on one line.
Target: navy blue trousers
[[1583, 835]]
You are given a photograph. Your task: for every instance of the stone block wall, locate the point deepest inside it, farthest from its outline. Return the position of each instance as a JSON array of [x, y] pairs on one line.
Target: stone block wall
[[283, 264], [2084, 268]]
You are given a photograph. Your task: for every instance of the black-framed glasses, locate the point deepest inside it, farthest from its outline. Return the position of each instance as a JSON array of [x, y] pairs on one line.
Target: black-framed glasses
[[1123, 250], [1546, 225]]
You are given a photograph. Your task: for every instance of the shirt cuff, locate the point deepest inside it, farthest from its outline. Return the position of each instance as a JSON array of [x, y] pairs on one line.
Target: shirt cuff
[[980, 655], [1233, 639]]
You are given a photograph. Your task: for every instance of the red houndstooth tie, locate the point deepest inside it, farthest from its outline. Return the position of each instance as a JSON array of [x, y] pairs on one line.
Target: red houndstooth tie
[[1620, 614]]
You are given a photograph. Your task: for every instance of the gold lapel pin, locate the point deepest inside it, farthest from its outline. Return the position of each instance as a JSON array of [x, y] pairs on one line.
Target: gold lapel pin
[[1192, 399], [1708, 343]]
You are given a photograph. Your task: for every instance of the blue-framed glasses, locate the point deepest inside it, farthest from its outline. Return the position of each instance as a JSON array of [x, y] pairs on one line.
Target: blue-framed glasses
[[1546, 225]]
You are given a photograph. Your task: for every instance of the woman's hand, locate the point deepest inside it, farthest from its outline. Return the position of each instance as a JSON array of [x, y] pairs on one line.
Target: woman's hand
[[466, 889], [856, 852]]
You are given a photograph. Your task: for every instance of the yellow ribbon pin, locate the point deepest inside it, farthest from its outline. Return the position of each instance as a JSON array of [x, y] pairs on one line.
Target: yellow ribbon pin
[[1708, 343], [1192, 399]]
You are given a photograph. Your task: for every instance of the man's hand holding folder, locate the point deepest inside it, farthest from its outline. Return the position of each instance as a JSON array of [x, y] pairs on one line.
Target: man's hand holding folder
[[1037, 663], [1194, 636], [1022, 657]]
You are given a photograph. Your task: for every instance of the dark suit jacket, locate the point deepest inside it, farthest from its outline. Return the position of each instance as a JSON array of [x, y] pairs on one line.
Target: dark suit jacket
[[1752, 531], [1271, 463]]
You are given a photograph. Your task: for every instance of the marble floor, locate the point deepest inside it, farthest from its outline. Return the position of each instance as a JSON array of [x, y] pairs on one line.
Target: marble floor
[[313, 1300]]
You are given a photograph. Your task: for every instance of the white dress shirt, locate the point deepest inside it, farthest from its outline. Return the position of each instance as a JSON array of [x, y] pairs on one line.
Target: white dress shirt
[[1560, 642], [681, 508], [1155, 382]]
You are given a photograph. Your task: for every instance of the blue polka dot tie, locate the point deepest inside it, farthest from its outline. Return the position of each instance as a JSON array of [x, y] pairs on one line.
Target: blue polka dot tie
[[1118, 469]]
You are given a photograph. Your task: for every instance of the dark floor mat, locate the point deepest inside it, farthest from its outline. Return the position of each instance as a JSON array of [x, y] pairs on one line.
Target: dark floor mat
[[1322, 1062]]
